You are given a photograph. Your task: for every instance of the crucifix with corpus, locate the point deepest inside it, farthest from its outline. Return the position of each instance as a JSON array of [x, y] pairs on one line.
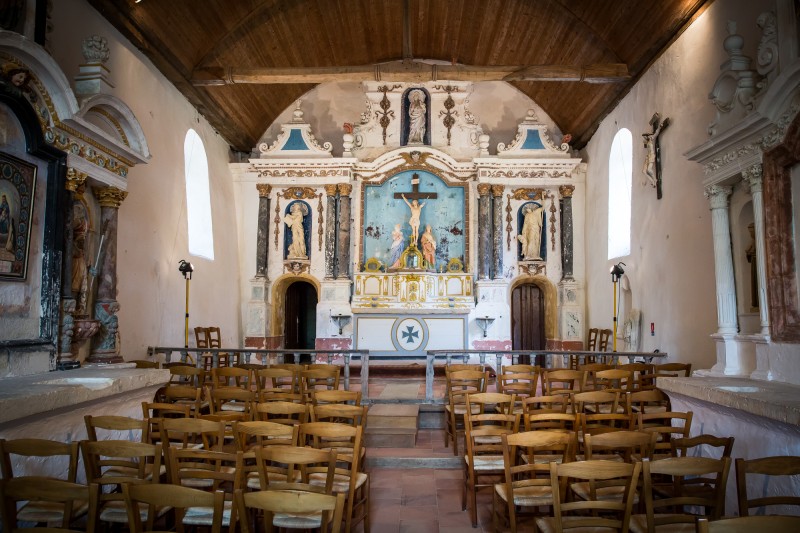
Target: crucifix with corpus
[[414, 205]]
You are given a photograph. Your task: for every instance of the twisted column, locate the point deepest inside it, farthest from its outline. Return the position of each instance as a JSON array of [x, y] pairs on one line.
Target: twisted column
[[262, 231], [330, 233], [484, 231], [497, 229], [343, 261]]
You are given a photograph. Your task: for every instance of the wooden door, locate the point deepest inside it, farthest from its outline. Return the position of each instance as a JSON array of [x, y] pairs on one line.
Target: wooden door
[[300, 316], [527, 319]]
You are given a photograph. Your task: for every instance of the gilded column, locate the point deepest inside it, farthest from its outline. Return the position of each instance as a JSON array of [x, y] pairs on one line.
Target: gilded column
[[74, 184], [484, 232], [566, 230], [262, 231], [752, 176], [723, 259], [106, 344], [497, 229], [343, 259], [330, 232]]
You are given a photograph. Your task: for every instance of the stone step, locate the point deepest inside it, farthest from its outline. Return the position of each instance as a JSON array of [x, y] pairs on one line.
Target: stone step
[[392, 426]]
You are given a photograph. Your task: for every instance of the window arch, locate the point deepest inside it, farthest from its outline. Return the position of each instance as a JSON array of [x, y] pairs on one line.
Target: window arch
[[198, 197], [620, 177]]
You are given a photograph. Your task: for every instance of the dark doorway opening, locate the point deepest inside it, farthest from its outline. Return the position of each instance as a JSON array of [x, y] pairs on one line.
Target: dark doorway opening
[[300, 319], [527, 321]]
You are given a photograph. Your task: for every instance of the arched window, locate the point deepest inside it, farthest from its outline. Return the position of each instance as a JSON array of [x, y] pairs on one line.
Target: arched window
[[198, 197], [620, 176]]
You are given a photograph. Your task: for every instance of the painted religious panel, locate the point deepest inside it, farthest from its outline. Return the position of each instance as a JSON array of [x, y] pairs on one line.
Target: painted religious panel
[[17, 188], [414, 210]]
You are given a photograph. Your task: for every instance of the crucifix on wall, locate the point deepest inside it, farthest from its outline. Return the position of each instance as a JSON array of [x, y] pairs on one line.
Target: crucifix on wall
[[416, 208], [652, 160]]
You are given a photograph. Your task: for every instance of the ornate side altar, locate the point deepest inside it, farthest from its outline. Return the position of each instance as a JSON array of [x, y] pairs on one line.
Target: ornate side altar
[[411, 291]]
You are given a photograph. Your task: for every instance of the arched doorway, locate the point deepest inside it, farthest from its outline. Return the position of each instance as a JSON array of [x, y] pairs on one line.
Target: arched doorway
[[528, 320], [300, 316]]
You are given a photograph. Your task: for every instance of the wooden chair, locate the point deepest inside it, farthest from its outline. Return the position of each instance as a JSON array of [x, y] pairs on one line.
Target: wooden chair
[[348, 479], [318, 379], [186, 375], [557, 403], [596, 402], [192, 433], [625, 446], [563, 381], [296, 504], [765, 466], [282, 412], [250, 435], [231, 399], [214, 335], [614, 379], [484, 454], [59, 500], [116, 427], [667, 425], [210, 471], [642, 374], [114, 463], [591, 345], [591, 341], [591, 369], [353, 415], [188, 395], [278, 380], [681, 446], [599, 423], [141, 363], [748, 524], [604, 513], [154, 411], [678, 502], [521, 384], [526, 464], [459, 383], [673, 370], [566, 422], [647, 401], [603, 337], [183, 500], [336, 396], [232, 376]]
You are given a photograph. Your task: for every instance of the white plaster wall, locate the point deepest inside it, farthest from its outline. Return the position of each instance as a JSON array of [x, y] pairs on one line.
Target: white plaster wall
[[671, 265], [152, 220]]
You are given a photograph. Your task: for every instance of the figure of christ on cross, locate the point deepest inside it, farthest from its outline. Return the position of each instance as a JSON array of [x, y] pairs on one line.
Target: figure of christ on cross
[[414, 205]]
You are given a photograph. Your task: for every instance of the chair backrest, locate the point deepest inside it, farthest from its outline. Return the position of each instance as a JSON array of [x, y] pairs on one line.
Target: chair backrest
[[603, 337], [231, 376], [613, 513], [354, 415], [668, 425], [766, 466], [647, 401], [45, 489], [591, 342], [258, 434], [191, 433], [521, 384], [291, 502], [673, 369], [154, 411], [116, 427], [521, 369], [598, 423], [627, 445], [42, 448], [457, 367], [281, 412], [173, 496], [683, 447], [557, 403], [459, 383], [206, 469], [222, 399], [483, 427], [596, 401], [275, 379], [642, 374], [552, 422], [296, 468], [319, 378], [335, 396], [188, 395], [748, 524], [201, 337], [614, 379], [713, 500], [186, 375], [563, 381], [116, 462], [345, 439], [214, 336]]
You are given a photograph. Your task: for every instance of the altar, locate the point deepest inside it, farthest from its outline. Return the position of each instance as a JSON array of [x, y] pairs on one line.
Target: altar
[[411, 291]]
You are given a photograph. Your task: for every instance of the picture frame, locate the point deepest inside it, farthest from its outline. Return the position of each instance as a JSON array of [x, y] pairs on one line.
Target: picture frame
[[17, 196]]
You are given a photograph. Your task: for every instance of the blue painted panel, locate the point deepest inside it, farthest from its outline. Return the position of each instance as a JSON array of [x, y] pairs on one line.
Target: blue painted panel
[[295, 141], [445, 214], [532, 141]]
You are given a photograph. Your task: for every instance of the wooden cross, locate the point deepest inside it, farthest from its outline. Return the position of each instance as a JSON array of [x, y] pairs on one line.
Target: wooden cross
[[415, 194]]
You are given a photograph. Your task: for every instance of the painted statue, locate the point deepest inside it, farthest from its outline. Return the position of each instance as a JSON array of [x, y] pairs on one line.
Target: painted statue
[[416, 116], [650, 140], [428, 242], [416, 212], [297, 250], [531, 236], [397, 247], [80, 263]]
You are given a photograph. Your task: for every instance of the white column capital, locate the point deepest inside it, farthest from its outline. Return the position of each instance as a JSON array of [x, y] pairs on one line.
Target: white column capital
[[718, 195], [752, 176]]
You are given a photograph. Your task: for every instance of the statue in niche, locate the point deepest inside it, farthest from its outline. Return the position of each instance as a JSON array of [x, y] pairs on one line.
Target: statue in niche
[[397, 247], [416, 211], [297, 249], [428, 242], [531, 236], [417, 111]]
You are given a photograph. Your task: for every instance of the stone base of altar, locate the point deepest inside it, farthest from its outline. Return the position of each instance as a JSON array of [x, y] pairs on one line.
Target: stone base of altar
[[409, 334]]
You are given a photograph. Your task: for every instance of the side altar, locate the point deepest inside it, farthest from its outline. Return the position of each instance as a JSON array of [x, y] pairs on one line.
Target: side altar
[[412, 291]]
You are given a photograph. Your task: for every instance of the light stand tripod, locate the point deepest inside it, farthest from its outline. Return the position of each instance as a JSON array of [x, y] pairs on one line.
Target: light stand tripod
[[616, 273], [186, 268]]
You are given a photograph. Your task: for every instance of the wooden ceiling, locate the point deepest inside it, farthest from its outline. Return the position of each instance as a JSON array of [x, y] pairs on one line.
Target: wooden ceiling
[[184, 37]]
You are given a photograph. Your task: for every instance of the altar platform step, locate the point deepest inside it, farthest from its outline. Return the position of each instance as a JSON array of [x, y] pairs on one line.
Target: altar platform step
[[392, 426]]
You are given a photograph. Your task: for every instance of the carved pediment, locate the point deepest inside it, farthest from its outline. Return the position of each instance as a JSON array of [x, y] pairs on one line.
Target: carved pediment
[[532, 140], [296, 141]]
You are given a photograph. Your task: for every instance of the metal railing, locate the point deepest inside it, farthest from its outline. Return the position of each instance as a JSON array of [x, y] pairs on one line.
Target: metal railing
[[279, 357]]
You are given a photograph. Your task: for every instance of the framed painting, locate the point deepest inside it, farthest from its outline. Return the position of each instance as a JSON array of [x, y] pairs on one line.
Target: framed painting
[[17, 191]]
